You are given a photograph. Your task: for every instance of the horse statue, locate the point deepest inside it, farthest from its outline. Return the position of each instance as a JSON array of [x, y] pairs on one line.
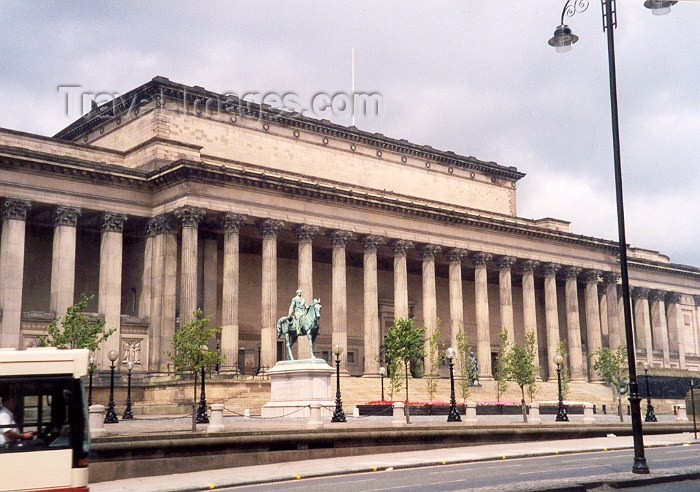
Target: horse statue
[[308, 325]]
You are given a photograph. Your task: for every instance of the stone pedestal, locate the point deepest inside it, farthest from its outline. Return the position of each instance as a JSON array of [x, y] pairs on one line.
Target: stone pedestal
[[295, 385]]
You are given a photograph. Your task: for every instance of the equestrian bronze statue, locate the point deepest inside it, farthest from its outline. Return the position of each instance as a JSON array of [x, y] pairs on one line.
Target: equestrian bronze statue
[[302, 320]]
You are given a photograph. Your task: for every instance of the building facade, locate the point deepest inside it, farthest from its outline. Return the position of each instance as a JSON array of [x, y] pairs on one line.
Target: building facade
[[174, 198]]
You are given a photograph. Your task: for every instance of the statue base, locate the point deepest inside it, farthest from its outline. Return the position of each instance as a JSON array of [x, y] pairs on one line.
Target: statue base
[[295, 384]]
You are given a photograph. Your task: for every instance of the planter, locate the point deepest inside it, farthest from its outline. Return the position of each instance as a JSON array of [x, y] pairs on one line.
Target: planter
[[385, 409]]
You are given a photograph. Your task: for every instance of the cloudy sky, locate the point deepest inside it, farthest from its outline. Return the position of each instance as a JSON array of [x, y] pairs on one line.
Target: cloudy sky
[[474, 77]]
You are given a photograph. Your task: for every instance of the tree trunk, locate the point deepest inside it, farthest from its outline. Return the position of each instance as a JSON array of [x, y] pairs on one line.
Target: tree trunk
[[406, 411], [194, 404], [619, 408], [522, 404]]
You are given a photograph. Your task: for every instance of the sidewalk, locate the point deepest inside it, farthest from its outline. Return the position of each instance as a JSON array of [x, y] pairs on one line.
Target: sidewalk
[[377, 462]]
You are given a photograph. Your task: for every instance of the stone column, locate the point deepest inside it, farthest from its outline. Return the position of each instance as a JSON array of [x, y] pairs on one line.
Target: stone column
[[110, 282], [371, 305], [399, 249], [144, 308], [454, 256], [210, 281], [167, 331], [616, 336], [155, 232], [505, 294], [483, 328], [268, 322], [63, 259], [603, 311], [642, 324], [658, 324], [593, 334], [230, 291], [428, 252], [573, 325], [305, 234], [14, 216], [549, 270], [338, 240], [674, 321], [529, 312], [189, 218]]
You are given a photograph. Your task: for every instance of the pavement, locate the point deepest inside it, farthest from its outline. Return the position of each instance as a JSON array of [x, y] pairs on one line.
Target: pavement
[[262, 474]]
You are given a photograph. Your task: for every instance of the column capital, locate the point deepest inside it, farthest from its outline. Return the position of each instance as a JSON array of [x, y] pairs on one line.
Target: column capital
[[673, 297], [231, 222], [550, 269], [15, 208], [570, 272], [640, 293], [269, 227], [657, 295], [370, 242], [528, 266], [400, 246], [505, 262], [610, 277], [338, 237], [189, 216], [154, 225], [428, 251], [591, 276], [113, 222], [304, 232], [455, 255], [66, 216], [696, 299], [479, 258]]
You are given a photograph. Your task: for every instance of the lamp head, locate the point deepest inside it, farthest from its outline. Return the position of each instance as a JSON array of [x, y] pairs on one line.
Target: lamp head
[[660, 7], [129, 365], [112, 355], [92, 359], [558, 359], [450, 353], [337, 349], [382, 371], [563, 39], [646, 366]]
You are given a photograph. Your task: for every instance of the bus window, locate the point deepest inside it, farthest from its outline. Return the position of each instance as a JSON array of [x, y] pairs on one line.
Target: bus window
[[42, 413]]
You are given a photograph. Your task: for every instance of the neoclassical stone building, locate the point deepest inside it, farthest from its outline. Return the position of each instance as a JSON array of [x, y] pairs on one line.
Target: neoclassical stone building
[[175, 197]]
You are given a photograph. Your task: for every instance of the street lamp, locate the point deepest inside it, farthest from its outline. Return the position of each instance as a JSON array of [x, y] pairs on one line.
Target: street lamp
[[382, 373], [338, 413], [202, 409], [561, 411], [650, 416], [563, 39], [453, 416], [111, 417], [128, 414], [91, 368], [692, 406]]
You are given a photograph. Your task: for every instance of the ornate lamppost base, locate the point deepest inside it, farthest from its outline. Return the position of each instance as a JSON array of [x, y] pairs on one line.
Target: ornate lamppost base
[[650, 416], [561, 414]]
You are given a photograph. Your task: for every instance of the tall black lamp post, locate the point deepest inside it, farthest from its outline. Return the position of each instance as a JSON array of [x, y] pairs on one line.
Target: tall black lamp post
[[382, 373], [563, 41], [692, 407], [453, 416], [202, 408], [91, 370], [128, 414], [338, 413], [561, 410], [650, 416], [111, 416]]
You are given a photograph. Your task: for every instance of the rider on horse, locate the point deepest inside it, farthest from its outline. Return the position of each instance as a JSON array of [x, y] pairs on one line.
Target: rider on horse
[[297, 309]]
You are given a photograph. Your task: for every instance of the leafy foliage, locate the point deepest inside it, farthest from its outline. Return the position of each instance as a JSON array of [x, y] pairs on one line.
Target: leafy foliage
[[501, 370], [522, 367], [76, 330], [403, 343], [434, 353], [187, 355], [565, 377], [612, 367], [463, 365]]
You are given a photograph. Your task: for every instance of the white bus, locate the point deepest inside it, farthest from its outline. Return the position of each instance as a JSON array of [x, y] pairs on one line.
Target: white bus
[[44, 437]]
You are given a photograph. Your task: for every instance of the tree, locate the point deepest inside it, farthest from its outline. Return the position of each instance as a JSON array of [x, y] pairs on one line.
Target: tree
[[403, 343], [612, 367], [463, 364], [522, 368], [565, 378], [434, 354], [188, 355], [76, 330], [500, 371]]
